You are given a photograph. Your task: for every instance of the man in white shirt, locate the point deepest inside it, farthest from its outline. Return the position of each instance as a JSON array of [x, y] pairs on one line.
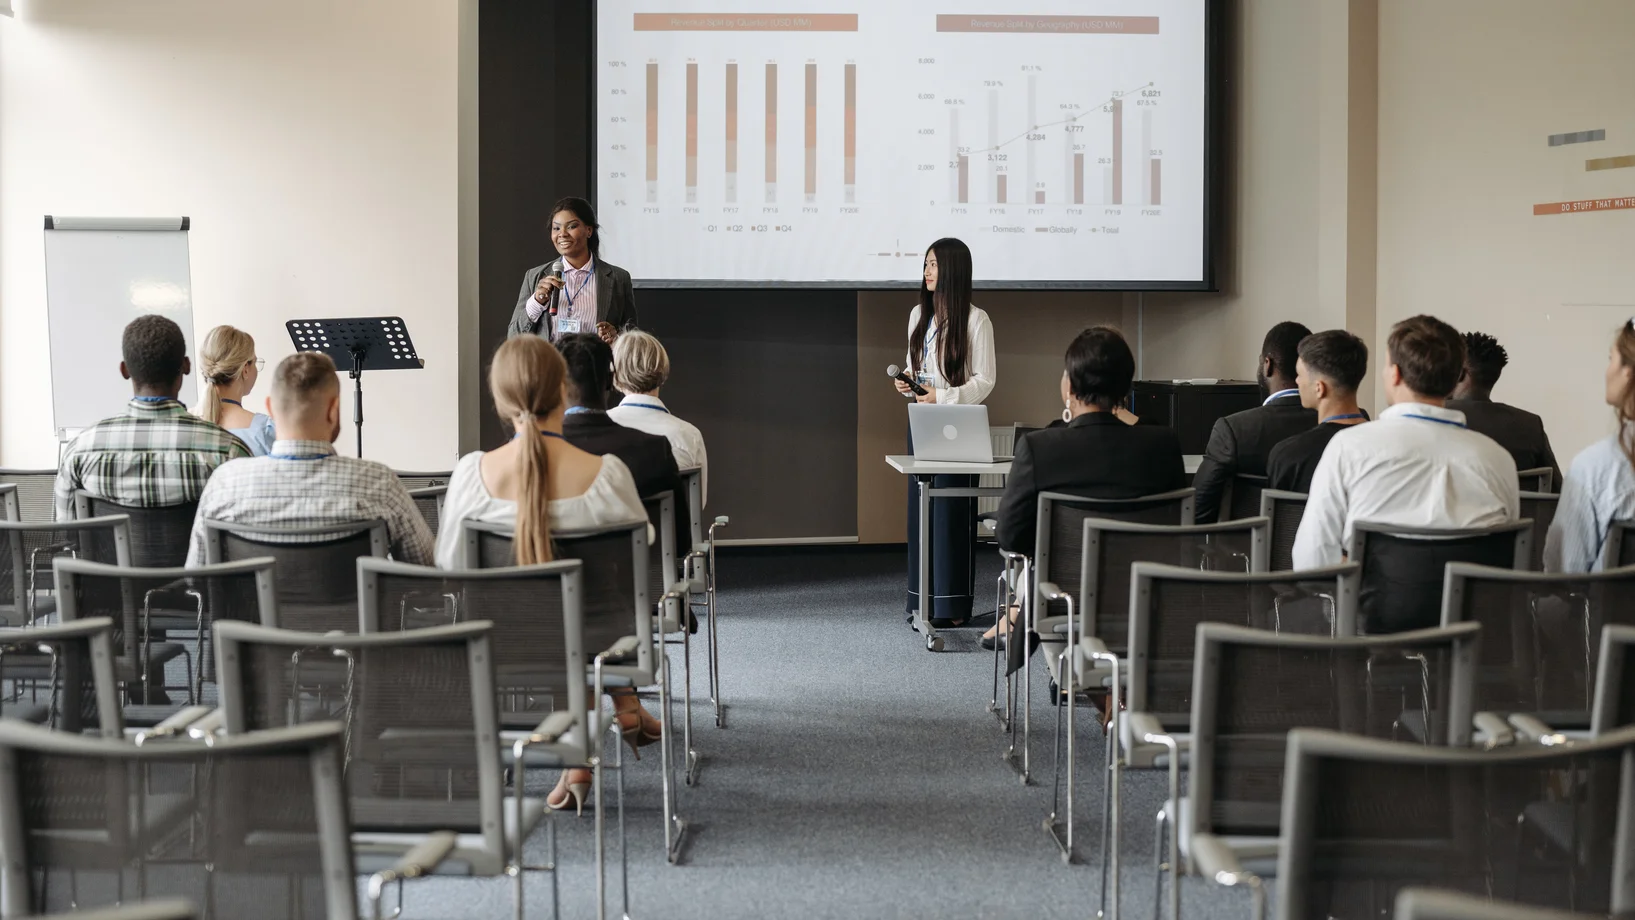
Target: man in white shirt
[[640, 368], [1418, 466]]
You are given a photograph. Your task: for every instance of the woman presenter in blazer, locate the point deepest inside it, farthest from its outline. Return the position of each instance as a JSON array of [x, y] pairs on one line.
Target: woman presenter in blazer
[[577, 292], [951, 355]]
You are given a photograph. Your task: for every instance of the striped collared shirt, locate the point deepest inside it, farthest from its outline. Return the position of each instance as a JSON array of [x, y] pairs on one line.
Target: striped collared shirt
[[306, 484], [581, 283], [156, 454]]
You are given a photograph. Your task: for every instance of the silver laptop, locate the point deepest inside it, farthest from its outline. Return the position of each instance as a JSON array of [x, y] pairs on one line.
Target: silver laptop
[[957, 434]]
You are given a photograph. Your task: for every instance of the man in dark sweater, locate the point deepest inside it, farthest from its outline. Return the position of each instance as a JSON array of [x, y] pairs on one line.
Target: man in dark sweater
[[1518, 431], [1329, 370], [1240, 442]]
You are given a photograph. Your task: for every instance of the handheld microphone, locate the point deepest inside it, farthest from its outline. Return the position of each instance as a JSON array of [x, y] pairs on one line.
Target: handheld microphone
[[896, 373], [555, 271]]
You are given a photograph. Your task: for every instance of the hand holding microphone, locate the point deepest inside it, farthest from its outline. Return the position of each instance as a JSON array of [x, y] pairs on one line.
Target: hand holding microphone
[[549, 284], [905, 383]]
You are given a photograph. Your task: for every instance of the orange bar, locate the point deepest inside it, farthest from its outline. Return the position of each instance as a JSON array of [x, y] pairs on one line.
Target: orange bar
[[1078, 178], [1039, 197], [1584, 205], [851, 124], [732, 132], [1118, 151], [1157, 186], [1624, 162], [652, 123], [692, 130], [1001, 191], [771, 129], [811, 130], [964, 179], [1069, 25], [745, 22]]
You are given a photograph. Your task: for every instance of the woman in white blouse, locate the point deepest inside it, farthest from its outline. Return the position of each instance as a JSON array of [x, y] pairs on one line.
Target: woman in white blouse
[[951, 356], [1600, 485], [538, 482]]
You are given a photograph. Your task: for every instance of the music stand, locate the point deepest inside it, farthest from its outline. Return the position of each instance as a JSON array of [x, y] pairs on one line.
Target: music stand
[[360, 343]]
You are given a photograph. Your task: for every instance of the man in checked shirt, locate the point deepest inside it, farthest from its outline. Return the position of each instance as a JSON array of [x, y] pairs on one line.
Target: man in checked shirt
[[157, 454]]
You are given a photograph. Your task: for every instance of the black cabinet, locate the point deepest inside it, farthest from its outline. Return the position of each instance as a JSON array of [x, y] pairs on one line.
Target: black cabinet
[[1192, 408]]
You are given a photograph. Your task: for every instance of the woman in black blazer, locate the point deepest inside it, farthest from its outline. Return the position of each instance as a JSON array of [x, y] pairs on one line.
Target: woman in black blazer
[[577, 292], [1097, 454]]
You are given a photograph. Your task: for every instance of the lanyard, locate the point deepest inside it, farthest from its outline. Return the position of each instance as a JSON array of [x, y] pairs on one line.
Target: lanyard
[[1439, 421], [548, 434], [297, 456], [233, 402], [154, 399], [1336, 418], [571, 293], [646, 406], [581, 410], [1279, 395]]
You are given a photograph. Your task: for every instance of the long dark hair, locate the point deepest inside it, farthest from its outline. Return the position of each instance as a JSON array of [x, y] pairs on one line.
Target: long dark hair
[[951, 305], [581, 209]]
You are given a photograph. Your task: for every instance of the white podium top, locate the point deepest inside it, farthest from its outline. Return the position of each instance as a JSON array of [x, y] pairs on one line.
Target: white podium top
[[907, 465]]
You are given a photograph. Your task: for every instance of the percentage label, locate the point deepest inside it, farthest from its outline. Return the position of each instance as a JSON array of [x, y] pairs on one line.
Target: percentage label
[[620, 92], [1068, 106], [616, 175], [1032, 68], [993, 83], [619, 119], [615, 63], [953, 102], [619, 202], [620, 147], [1146, 102]]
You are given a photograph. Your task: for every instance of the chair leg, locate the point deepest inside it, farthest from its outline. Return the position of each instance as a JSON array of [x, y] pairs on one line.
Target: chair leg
[[675, 827], [1106, 816], [1158, 865], [690, 760]]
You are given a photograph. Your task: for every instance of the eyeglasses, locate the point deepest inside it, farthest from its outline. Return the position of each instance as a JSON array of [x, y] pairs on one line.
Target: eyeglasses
[[260, 363]]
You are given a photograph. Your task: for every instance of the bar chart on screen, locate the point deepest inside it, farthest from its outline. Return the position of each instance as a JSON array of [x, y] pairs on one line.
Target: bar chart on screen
[[756, 143]]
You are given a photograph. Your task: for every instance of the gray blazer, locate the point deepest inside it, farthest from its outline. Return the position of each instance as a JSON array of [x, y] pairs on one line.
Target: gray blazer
[[615, 301]]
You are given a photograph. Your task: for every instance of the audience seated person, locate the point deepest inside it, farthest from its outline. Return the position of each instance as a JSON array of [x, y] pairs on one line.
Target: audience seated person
[[302, 481], [588, 427], [1418, 466], [1517, 430], [540, 483], [1600, 484], [640, 368], [1240, 442], [230, 371], [157, 454], [1329, 370], [1096, 455]]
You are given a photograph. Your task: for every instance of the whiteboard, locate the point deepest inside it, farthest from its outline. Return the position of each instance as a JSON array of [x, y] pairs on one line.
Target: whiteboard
[[101, 273]]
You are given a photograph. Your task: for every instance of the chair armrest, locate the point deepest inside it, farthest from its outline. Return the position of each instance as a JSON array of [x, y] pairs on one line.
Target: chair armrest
[[1496, 729], [553, 727], [1216, 861], [177, 725], [1532, 730], [420, 860], [623, 648], [208, 727], [1145, 727]]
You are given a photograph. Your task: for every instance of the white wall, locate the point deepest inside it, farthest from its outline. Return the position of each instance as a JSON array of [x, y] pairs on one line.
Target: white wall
[[1469, 92], [314, 145]]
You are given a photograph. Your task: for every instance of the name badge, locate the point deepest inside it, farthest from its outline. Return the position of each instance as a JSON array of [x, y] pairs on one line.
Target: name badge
[[924, 380], [567, 325]]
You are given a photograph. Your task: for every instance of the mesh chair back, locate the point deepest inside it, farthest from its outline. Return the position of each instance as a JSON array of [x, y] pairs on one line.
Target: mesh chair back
[[250, 827], [1619, 548], [36, 493], [1243, 496], [416, 709], [159, 536], [423, 480], [8, 502], [1284, 510], [614, 578], [1402, 569], [318, 583], [1168, 604], [537, 634], [1537, 479], [1364, 818], [72, 667], [1541, 635], [429, 502], [1254, 686], [28, 548], [1059, 532], [130, 596], [162, 909], [1614, 681], [1111, 548], [1540, 508], [661, 560]]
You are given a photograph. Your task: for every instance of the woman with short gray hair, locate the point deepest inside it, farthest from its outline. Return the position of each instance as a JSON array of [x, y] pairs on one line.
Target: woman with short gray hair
[[640, 368]]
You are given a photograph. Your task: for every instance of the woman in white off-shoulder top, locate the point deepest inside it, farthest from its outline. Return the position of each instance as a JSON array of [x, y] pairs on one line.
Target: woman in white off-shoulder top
[[538, 482]]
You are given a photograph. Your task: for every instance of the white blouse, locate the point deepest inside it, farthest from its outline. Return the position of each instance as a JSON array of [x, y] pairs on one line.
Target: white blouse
[[611, 499], [980, 357]]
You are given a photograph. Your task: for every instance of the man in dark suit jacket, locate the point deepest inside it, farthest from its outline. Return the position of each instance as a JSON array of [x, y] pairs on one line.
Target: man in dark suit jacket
[[1518, 431], [1240, 442], [587, 426]]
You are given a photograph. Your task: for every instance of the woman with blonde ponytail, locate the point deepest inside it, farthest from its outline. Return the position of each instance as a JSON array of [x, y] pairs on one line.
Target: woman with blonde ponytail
[[229, 368], [537, 482], [1600, 484]]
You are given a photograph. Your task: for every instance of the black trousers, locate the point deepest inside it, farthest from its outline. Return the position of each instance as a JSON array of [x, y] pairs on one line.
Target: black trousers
[[953, 548]]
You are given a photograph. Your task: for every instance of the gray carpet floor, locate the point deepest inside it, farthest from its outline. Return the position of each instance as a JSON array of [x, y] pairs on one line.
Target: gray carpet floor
[[858, 775]]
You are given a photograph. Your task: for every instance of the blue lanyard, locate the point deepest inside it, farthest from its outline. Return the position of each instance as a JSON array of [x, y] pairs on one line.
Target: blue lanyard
[[580, 410], [646, 406], [1336, 418], [569, 292], [233, 402], [930, 343], [297, 456], [548, 434], [154, 399], [1439, 421], [1279, 395]]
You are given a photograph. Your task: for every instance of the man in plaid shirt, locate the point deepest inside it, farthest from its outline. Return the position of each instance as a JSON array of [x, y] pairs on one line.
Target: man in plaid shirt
[[302, 481], [157, 454]]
